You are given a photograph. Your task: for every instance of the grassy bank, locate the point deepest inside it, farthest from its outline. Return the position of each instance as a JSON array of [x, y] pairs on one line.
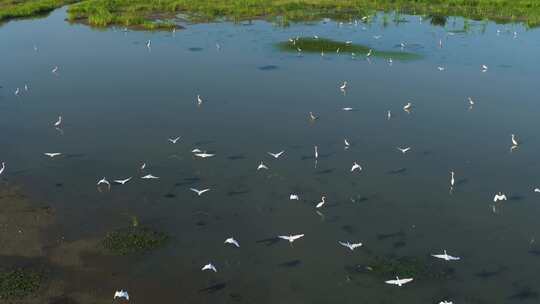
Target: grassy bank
[[144, 13]]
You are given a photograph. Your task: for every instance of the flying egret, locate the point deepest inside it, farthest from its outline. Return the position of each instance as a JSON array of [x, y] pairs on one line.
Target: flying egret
[[446, 257], [149, 176], [313, 116], [276, 155], [399, 282], [292, 197], [346, 142], [55, 69], [369, 53], [347, 109], [121, 294], [52, 154], [343, 87], [104, 181], [349, 245], [537, 190], [388, 115], [204, 155], [291, 238], [356, 166], [321, 203], [232, 241], [17, 91], [446, 302], [262, 166], [199, 192], [143, 166], [404, 150], [199, 100], [407, 108], [515, 142], [499, 197], [148, 43], [174, 140], [484, 68], [316, 152], [122, 181], [209, 266], [3, 168], [58, 122]]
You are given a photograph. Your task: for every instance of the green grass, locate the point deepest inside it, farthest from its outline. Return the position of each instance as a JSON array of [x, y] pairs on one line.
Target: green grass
[[15, 284], [154, 14], [13, 9], [330, 47], [133, 239]]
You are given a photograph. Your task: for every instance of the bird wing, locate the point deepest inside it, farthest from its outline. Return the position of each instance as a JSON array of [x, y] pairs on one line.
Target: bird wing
[[295, 237]]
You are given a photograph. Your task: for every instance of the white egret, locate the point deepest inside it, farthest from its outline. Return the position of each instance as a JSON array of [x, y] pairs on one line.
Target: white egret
[[356, 166], [174, 140], [121, 294], [52, 154], [149, 176], [399, 282], [349, 245], [499, 197], [446, 257], [209, 266], [276, 155], [199, 192], [262, 166], [122, 181], [232, 241], [321, 203], [291, 238]]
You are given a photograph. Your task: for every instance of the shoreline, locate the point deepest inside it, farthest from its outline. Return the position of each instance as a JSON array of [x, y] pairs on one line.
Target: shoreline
[[159, 16]]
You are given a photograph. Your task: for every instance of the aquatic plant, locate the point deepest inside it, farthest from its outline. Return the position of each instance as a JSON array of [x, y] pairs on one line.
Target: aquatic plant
[[18, 283], [328, 46], [407, 267], [133, 239]]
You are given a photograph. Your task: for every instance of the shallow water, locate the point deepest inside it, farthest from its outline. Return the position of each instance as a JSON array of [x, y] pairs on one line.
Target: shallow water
[[121, 101]]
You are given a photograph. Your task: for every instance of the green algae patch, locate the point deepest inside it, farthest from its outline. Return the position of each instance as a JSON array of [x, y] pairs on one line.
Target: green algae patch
[[134, 240], [329, 47], [18, 283]]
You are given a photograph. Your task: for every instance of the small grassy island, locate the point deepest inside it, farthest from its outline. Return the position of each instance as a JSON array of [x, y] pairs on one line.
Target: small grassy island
[[133, 239], [328, 46], [18, 283], [155, 15]]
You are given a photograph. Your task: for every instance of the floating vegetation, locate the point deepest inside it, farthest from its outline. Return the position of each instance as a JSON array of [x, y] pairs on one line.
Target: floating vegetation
[[406, 267], [328, 46], [18, 283], [134, 239]]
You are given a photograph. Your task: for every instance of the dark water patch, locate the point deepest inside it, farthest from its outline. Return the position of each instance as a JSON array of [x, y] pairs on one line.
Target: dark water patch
[[400, 171], [461, 182], [399, 244], [268, 241], [235, 297], [59, 185], [188, 181], [195, 49], [516, 197], [328, 46], [535, 252], [268, 67], [169, 195], [200, 223], [62, 300], [237, 192], [525, 294], [75, 155], [214, 288], [290, 264], [392, 235], [487, 274], [325, 171], [236, 157], [348, 228]]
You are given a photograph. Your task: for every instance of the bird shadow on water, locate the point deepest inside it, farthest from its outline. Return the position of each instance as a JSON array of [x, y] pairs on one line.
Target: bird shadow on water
[[268, 67], [268, 241], [487, 274], [400, 171], [236, 157], [188, 181], [213, 288], [290, 264], [516, 197], [525, 294]]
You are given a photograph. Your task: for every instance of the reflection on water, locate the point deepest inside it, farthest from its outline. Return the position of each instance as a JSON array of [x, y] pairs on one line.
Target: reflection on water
[[120, 102]]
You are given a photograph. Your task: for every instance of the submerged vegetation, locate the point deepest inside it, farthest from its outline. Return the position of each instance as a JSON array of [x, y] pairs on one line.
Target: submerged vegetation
[[134, 239], [328, 46], [19, 283], [156, 14]]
